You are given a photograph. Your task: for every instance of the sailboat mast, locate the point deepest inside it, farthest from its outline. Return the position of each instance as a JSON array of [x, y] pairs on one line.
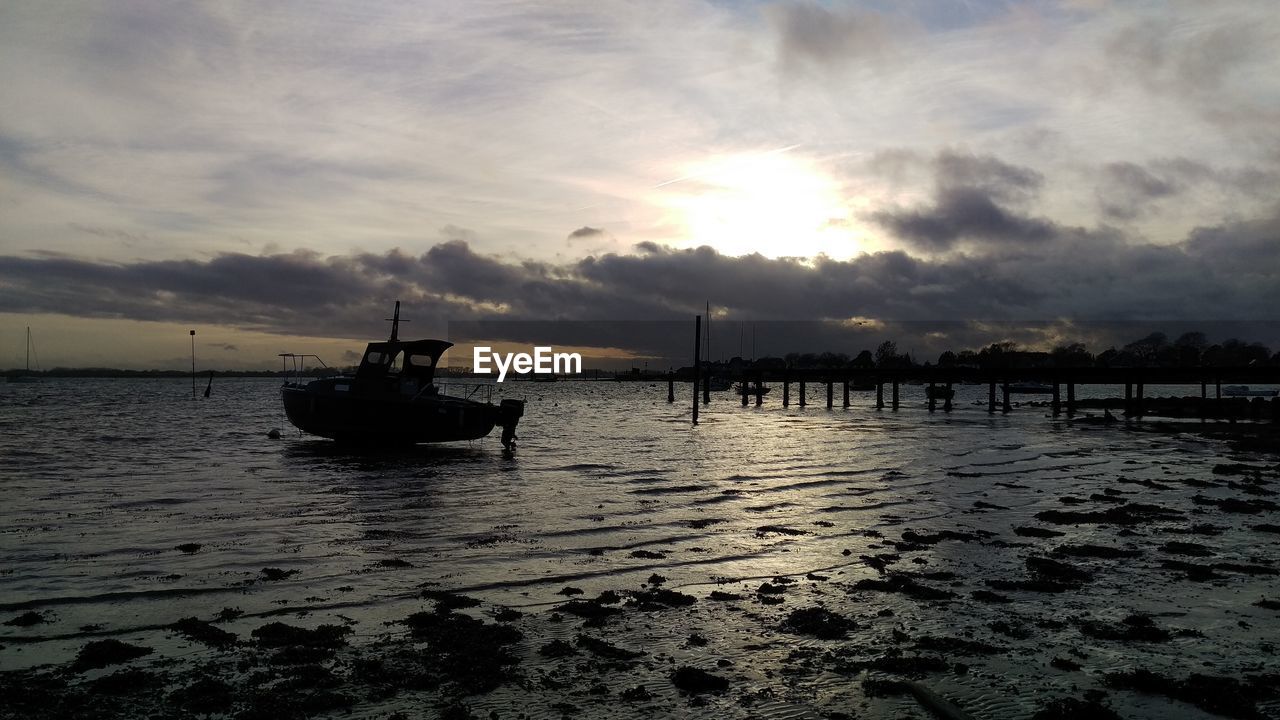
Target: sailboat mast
[[28, 348]]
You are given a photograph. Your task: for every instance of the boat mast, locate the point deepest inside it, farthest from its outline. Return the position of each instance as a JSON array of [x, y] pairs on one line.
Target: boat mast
[[28, 348], [395, 323]]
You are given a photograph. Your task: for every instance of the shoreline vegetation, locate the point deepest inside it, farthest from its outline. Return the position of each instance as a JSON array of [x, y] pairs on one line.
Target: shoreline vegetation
[[1156, 350]]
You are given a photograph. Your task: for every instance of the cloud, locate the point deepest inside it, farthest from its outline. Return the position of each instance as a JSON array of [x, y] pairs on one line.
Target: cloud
[[1218, 272], [816, 37], [967, 206], [585, 232]]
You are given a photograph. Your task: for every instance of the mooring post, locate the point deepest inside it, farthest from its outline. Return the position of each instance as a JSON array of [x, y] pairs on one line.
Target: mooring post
[[946, 400], [745, 388], [759, 391], [786, 391], [991, 397], [933, 397], [697, 362], [1071, 398], [895, 392], [846, 392], [1128, 398], [671, 387], [802, 394], [1057, 404], [1137, 407], [831, 388], [879, 394], [1004, 387], [1204, 398]]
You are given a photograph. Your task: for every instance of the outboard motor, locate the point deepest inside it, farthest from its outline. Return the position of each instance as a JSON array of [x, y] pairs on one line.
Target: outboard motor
[[509, 413]]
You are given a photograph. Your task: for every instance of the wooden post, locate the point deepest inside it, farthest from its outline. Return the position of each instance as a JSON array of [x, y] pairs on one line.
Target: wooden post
[[895, 393], [786, 391], [1071, 398], [1005, 390], [1204, 398], [697, 362], [933, 399], [671, 387], [745, 388], [759, 391], [830, 393], [879, 394], [802, 394], [1057, 402], [846, 392], [1128, 398], [1137, 408], [991, 397], [946, 401]]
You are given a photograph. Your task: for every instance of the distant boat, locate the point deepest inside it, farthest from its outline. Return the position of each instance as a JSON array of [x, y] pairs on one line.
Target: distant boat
[[1244, 391], [1030, 387], [749, 389], [719, 384], [392, 399], [939, 392], [27, 377]]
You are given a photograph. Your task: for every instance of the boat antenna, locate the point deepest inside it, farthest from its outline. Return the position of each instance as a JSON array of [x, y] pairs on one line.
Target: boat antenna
[[395, 323]]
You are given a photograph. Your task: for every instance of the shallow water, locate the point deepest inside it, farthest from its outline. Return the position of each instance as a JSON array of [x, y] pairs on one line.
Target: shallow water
[[104, 479]]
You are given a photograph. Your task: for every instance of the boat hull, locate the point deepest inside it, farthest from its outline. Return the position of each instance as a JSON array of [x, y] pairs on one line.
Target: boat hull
[[354, 417]]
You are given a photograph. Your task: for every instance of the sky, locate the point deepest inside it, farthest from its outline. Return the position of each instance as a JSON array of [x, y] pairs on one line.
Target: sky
[[276, 175]]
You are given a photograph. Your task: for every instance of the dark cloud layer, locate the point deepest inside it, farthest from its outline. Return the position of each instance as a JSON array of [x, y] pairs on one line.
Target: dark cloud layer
[[1222, 272]]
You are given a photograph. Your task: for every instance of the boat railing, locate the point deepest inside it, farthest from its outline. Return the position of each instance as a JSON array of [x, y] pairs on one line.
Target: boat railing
[[466, 391], [294, 365]]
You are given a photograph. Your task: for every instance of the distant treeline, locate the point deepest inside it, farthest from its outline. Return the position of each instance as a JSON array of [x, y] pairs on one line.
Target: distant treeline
[[119, 373], [1190, 349]]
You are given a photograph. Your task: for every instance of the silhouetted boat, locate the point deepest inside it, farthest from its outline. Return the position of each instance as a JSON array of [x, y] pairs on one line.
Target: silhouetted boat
[[392, 399], [28, 377], [1244, 391], [939, 392], [718, 384], [1030, 387]]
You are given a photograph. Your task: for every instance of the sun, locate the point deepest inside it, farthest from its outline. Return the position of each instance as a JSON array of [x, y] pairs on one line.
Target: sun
[[771, 203]]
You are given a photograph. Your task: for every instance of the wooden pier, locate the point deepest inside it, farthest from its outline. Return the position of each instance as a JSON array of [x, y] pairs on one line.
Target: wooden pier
[[1002, 383]]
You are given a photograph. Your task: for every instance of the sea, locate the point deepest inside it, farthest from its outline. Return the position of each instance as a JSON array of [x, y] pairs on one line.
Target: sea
[[129, 505]]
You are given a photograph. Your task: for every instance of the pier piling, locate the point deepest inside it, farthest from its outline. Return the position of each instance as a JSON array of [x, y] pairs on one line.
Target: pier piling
[[786, 393], [946, 400], [697, 362], [895, 393], [846, 393], [879, 394], [802, 394], [671, 387], [933, 398], [1005, 390], [1057, 401], [991, 397], [1071, 398], [830, 393]]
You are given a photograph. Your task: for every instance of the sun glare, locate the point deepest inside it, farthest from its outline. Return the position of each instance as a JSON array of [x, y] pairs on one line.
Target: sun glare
[[771, 203]]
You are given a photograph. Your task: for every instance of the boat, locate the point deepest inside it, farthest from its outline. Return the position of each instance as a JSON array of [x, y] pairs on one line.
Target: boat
[[1030, 387], [939, 392], [1244, 391], [718, 384], [26, 377], [393, 400]]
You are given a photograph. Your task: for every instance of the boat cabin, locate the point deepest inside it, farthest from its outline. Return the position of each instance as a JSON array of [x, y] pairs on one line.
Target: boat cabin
[[407, 367]]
